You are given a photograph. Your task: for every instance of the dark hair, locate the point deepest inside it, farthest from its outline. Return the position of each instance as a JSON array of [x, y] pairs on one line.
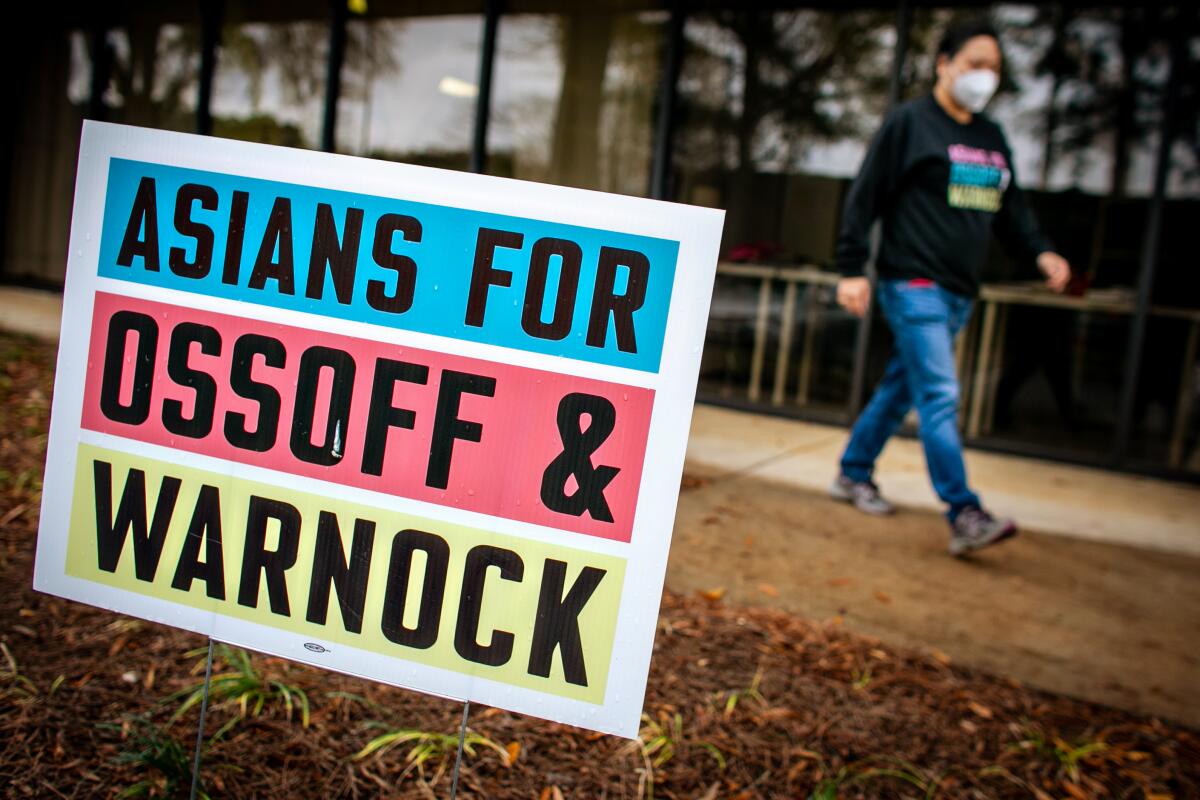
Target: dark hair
[[958, 34]]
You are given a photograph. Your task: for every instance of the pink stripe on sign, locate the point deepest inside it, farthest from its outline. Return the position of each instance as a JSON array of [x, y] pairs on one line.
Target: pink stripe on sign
[[203, 386]]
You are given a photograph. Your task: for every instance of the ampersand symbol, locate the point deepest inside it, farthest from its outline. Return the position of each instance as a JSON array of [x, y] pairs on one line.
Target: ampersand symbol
[[579, 444]]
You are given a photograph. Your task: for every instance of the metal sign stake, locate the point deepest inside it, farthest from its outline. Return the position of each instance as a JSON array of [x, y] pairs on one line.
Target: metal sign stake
[[203, 713], [462, 737]]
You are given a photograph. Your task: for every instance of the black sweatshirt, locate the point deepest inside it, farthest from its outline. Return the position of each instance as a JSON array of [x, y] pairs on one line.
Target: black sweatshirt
[[940, 188]]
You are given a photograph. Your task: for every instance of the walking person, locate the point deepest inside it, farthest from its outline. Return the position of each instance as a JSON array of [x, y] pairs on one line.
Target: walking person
[[939, 176]]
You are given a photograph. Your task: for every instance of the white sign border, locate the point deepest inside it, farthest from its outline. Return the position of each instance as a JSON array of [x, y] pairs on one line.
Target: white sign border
[[698, 232]]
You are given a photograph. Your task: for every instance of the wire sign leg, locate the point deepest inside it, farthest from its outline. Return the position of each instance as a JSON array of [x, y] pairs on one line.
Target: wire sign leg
[[200, 729], [462, 737]]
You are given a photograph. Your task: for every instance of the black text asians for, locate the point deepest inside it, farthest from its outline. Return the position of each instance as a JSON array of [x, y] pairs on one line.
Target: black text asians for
[[273, 269]]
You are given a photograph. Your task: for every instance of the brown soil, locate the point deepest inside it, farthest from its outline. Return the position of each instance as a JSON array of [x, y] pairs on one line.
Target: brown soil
[[1105, 622], [743, 702]]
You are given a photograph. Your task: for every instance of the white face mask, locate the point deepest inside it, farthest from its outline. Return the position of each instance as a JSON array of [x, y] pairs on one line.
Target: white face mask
[[972, 90]]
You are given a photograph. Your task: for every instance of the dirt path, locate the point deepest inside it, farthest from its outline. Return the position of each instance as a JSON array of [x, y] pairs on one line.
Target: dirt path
[[1113, 624]]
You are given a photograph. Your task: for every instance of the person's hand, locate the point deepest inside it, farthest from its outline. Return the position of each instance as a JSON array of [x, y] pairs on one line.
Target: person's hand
[[854, 295], [1056, 269]]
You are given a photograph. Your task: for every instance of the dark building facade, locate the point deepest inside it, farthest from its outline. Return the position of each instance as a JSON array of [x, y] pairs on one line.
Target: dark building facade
[[764, 109]]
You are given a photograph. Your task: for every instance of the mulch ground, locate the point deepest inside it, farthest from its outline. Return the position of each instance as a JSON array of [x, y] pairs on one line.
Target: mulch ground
[[742, 703]]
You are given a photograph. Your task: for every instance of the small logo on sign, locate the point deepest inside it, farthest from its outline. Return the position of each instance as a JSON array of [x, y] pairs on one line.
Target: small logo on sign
[[316, 648]]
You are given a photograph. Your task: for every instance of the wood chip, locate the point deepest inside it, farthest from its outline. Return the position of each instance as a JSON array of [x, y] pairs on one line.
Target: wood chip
[[980, 710]]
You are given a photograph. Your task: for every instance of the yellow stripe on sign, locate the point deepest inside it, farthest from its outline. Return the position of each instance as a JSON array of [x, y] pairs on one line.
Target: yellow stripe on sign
[[516, 611]]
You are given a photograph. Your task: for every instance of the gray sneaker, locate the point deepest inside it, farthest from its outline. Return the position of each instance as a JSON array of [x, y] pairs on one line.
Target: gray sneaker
[[863, 495], [975, 528]]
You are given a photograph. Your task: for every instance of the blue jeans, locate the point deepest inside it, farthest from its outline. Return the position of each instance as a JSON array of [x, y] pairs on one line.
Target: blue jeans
[[924, 319]]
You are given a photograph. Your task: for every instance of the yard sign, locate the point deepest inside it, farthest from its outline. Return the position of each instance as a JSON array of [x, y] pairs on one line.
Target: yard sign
[[420, 426]]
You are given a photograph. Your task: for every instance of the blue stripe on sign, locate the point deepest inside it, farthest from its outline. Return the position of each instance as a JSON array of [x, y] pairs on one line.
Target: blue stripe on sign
[[444, 259]]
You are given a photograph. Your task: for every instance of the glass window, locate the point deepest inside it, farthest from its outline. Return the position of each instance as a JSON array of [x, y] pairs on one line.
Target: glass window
[[409, 89], [37, 182], [154, 74], [573, 99], [269, 84], [776, 111], [1166, 414], [1040, 371]]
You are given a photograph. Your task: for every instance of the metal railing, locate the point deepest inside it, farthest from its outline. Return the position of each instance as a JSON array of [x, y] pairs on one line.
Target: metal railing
[[791, 277], [979, 351]]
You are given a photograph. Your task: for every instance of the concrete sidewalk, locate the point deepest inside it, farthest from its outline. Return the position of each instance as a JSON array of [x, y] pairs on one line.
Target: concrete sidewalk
[[1050, 497], [1041, 495], [30, 311]]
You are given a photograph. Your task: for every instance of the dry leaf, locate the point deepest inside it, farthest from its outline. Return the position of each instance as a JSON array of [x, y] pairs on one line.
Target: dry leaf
[[776, 713], [980, 710], [513, 750], [841, 581], [748, 541], [879, 655], [939, 656], [968, 726], [797, 770], [883, 598], [768, 590], [13, 513], [714, 595], [1074, 790], [711, 794]]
